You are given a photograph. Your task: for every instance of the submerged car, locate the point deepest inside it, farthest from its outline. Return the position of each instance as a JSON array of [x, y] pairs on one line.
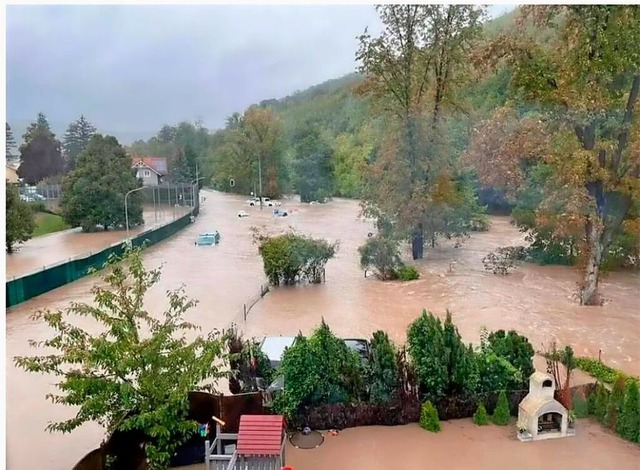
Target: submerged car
[[243, 214], [265, 202], [208, 238], [280, 212]]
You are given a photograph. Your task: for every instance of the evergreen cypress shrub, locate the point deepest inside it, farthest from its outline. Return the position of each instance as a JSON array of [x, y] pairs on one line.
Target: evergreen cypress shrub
[[502, 414], [580, 406], [602, 400], [614, 406], [480, 417], [629, 421], [591, 402], [429, 417]]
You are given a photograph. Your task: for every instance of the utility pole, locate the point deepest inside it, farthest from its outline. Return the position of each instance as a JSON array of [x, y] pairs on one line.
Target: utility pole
[[260, 178]]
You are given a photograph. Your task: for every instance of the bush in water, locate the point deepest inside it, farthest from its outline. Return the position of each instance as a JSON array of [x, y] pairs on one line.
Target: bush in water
[[381, 254], [614, 406], [429, 417], [580, 406], [292, 258], [516, 349], [407, 273], [602, 400]]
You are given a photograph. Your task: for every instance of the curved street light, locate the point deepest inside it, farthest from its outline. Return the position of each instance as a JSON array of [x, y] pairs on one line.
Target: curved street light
[[126, 211], [193, 194]]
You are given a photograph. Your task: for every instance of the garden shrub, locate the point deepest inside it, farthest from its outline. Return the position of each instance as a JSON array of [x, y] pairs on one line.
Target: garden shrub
[[516, 349], [580, 406], [480, 417], [380, 254], [629, 422], [602, 400], [614, 406], [496, 373], [600, 371], [429, 417], [318, 370], [407, 273], [501, 414], [292, 258], [591, 402], [442, 363], [383, 368]]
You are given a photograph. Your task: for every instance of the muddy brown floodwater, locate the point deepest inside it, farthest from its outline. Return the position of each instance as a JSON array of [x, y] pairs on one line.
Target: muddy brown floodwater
[[534, 300]]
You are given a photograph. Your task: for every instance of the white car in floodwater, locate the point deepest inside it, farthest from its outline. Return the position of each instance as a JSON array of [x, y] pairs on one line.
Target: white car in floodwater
[[255, 201], [242, 214]]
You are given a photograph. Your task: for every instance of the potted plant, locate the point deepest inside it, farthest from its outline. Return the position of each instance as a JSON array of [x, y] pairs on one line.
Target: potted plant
[[571, 417], [523, 431]]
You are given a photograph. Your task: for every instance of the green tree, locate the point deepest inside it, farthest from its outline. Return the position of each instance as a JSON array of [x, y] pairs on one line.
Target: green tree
[[93, 194], [76, 139], [381, 254], [501, 414], [429, 417], [480, 417], [514, 348], [442, 363], [587, 80], [629, 421], [313, 157], [137, 372], [318, 370], [10, 141], [40, 153], [383, 368], [20, 219], [413, 70]]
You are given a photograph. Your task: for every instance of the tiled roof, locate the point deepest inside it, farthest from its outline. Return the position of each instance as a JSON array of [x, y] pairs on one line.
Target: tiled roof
[[260, 435], [159, 164]]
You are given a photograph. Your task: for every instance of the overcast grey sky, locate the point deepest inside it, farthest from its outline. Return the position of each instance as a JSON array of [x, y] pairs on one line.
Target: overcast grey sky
[[131, 69]]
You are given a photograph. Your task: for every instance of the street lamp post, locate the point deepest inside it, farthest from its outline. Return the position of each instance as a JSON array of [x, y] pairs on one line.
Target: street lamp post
[[193, 195], [126, 210], [260, 178]]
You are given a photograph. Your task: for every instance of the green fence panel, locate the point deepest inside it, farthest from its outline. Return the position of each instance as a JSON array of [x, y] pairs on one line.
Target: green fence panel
[[26, 287]]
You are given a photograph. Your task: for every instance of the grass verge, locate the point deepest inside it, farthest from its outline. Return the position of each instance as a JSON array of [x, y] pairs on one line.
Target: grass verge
[[48, 223]]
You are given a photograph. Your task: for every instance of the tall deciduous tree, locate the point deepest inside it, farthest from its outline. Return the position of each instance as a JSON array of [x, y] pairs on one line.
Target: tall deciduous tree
[[40, 153], [413, 70], [137, 372], [20, 219], [587, 80], [93, 194], [76, 139], [313, 158]]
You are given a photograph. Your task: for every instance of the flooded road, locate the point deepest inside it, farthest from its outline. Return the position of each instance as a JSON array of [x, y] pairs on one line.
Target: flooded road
[[56, 247], [534, 300]]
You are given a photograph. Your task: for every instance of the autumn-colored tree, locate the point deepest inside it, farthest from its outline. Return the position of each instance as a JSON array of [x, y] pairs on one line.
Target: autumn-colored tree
[[413, 70], [586, 79]]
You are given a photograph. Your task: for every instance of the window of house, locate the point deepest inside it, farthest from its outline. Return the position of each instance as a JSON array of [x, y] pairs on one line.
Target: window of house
[[146, 173]]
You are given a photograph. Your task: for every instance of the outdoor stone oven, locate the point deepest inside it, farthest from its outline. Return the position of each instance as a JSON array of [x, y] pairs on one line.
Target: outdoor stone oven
[[540, 415]]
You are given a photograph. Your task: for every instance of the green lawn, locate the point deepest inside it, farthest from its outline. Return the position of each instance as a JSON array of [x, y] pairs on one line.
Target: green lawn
[[48, 223]]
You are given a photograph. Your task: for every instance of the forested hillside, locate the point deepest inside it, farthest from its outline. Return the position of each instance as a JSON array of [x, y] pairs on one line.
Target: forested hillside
[[533, 112]]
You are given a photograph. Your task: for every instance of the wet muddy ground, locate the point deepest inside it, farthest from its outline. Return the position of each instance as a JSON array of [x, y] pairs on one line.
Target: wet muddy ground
[[534, 300]]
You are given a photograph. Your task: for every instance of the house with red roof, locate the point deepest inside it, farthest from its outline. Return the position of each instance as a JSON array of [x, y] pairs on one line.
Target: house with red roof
[[151, 170]]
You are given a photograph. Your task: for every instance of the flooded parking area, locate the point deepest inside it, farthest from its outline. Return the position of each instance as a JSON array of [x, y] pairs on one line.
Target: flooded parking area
[[536, 301]]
